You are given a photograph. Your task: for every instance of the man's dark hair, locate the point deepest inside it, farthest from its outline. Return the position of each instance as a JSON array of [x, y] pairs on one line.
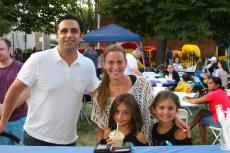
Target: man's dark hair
[[69, 17], [8, 43]]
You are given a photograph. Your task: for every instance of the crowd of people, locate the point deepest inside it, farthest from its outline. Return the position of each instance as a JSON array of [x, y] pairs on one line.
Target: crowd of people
[[54, 81]]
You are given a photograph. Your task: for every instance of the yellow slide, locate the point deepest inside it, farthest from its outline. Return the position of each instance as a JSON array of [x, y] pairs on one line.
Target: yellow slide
[[189, 48]]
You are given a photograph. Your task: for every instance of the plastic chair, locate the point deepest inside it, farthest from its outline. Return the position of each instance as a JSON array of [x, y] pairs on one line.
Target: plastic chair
[[11, 137], [82, 112], [216, 133], [183, 114]]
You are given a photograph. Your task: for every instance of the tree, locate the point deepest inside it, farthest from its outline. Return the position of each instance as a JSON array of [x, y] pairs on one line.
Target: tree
[[173, 19], [4, 24], [33, 15], [193, 20]]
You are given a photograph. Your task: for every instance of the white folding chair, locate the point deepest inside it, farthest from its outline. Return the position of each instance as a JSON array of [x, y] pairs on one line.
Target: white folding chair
[[183, 114], [82, 112], [216, 133]]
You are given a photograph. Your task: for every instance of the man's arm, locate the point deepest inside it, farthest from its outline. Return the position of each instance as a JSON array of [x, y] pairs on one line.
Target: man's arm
[[21, 100], [11, 101]]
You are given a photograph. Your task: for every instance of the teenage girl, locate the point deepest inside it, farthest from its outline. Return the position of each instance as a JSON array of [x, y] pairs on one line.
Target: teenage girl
[[216, 96], [165, 132], [127, 114]]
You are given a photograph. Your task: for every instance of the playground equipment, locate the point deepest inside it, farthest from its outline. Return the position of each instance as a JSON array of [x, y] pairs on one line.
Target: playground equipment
[[177, 54], [128, 46], [190, 54], [150, 52], [221, 52]]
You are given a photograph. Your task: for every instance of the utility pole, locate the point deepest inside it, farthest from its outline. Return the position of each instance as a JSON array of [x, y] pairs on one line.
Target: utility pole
[[97, 10]]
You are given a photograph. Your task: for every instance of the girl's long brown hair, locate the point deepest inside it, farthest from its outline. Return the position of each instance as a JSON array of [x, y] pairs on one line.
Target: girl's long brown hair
[[103, 89], [130, 102]]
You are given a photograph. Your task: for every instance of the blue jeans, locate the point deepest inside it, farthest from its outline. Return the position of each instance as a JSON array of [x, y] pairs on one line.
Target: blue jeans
[[207, 120], [31, 141]]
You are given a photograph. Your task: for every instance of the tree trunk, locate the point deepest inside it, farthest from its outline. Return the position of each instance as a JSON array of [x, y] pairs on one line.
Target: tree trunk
[[161, 52]]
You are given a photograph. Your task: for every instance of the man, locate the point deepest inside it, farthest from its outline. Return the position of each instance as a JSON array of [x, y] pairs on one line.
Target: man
[[132, 62], [58, 78], [92, 54], [9, 69], [169, 56], [213, 65]]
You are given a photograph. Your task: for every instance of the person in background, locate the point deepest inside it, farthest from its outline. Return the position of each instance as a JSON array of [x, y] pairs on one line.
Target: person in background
[[200, 73], [222, 71], [92, 54], [171, 74], [58, 78], [17, 54], [169, 56], [177, 65], [99, 66], [132, 62], [217, 95], [126, 113], [183, 83], [212, 66], [165, 132], [9, 69]]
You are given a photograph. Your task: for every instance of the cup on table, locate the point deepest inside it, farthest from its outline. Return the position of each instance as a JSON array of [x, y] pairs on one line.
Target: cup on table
[[188, 90], [117, 137]]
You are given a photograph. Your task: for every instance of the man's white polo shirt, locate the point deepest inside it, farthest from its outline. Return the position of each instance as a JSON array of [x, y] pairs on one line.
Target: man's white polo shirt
[[56, 94]]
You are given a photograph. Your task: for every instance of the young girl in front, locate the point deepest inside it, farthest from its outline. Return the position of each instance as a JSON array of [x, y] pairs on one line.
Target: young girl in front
[[165, 132], [127, 114]]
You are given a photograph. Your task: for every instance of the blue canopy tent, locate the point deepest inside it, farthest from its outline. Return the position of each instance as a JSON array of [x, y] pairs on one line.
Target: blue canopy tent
[[111, 33]]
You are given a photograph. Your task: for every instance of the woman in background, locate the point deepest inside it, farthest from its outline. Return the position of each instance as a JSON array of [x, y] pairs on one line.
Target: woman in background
[[222, 72], [217, 95]]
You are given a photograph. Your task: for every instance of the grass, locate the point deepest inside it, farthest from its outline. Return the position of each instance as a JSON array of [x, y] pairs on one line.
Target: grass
[[87, 134]]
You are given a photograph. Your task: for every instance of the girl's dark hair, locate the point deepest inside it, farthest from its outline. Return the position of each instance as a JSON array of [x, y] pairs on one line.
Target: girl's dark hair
[[103, 89], [129, 101], [224, 65], [217, 81], [163, 95]]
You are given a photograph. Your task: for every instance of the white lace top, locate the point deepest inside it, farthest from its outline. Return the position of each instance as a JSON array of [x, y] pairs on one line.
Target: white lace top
[[143, 93]]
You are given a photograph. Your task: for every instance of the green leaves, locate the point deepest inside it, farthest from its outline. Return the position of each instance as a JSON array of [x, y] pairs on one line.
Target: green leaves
[[173, 19], [40, 15]]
